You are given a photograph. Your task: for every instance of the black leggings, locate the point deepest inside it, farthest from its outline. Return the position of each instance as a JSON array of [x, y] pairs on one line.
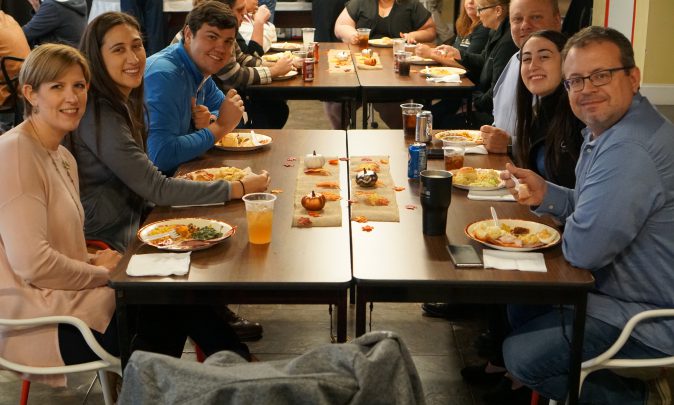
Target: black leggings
[[75, 350]]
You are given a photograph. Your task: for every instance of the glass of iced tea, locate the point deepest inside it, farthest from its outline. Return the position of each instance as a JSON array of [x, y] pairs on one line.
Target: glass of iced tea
[[259, 215], [453, 156], [363, 37], [410, 111]]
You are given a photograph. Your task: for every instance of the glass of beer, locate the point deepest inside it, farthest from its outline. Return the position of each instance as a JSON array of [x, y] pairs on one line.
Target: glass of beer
[[453, 156], [259, 215], [410, 111], [363, 37]]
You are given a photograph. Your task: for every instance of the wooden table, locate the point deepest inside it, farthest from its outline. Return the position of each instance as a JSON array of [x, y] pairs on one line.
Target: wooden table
[[386, 85], [300, 266], [340, 87], [397, 263]]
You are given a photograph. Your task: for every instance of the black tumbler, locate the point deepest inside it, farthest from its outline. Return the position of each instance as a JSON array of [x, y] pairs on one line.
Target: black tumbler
[[435, 195]]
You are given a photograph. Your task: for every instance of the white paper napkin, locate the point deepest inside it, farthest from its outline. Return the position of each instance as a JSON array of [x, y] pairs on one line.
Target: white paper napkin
[[476, 150], [523, 261], [501, 194], [453, 78], [159, 264]]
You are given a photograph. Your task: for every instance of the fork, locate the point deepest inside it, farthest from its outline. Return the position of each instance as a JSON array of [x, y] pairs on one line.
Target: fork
[[173, 234], [494, 216], [253, 137]]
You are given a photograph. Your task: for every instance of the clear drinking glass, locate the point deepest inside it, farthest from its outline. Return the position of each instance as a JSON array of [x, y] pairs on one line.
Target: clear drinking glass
[[259, 215]]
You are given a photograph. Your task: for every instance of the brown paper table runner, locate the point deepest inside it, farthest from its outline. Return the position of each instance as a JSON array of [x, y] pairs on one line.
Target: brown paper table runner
[[365, 200], [331, 214], [339, 66]]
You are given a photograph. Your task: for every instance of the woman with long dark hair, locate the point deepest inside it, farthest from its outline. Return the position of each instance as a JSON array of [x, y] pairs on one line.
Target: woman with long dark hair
[[548, 135]]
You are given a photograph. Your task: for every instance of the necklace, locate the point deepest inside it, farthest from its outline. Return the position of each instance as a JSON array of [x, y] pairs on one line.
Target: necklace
[[66, 168]]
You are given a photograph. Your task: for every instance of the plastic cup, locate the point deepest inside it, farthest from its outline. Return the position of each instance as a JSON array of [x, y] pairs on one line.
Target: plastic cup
[[363, 37], [259, 216], [308, 36], [398, 45], [453, 156], [410, 111], [298, 60], [404, 63]]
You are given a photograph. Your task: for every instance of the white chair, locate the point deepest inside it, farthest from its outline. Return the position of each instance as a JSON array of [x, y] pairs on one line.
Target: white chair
[[606, 360], [106, 363]]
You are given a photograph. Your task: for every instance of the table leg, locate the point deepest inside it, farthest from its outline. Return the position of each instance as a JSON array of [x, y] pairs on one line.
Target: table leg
[[346, 111], [341, 318], [360, 312], [123, 333], [364, 104], [576, 356], [469, 110]]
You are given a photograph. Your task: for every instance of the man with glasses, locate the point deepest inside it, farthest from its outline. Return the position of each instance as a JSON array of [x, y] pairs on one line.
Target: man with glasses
[[619, 220], [526, 17]]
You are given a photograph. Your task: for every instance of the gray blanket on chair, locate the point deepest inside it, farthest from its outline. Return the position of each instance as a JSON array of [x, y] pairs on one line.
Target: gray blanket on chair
[[373, 369]]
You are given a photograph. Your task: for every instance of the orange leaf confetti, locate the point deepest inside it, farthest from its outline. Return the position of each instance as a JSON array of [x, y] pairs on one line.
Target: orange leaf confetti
[[376, 200], [327, 184], [333, 162], [398, 188], [352, 202], [304, 222], [384, 161], [366, 159], [291, 159], [318, 172], [288, 165], [367, 228], [344, 159], [314, 214], [331, 196], [411, 206], [360, 219], [276, 191]]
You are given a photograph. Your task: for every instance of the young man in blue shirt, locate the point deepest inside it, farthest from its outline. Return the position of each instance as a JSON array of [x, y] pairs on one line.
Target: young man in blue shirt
[[618, 224]]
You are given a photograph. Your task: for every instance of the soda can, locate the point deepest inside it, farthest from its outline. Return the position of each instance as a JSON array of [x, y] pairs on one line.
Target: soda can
[[416, 160], [315, 46], [308, 69], [424, 127]]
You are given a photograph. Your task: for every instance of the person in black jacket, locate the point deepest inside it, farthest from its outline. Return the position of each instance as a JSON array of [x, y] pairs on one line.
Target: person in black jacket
[[58, 21], [548, 133], [487, 65]]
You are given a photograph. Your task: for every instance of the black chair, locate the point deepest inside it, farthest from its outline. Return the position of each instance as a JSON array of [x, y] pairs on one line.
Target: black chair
[[12, 105]]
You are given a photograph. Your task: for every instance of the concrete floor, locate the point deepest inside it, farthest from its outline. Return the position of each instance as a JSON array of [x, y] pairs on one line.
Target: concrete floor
[[439, 348]]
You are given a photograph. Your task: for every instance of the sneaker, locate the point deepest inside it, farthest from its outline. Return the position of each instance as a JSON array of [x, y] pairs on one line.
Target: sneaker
[[658, 391], [246, 330]]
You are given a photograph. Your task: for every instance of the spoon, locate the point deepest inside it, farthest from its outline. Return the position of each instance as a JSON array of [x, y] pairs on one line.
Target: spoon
[[494, 216]]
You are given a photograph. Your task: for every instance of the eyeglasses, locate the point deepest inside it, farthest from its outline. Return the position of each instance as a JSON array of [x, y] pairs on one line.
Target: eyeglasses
[[481, 9], [600, 78]]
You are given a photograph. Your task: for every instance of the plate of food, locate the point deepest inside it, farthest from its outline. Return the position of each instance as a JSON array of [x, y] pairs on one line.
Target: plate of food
[[442, 71], [418, 60], [470, 178], [370, 62], [185, 234], [274, 57], [515, 235], [384, 42], [216, 173], [285, 46], [467, 137], [240, 142], [286, 76]]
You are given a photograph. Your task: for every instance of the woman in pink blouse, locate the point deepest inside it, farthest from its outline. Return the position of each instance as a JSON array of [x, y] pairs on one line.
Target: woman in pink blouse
[[44, 265]]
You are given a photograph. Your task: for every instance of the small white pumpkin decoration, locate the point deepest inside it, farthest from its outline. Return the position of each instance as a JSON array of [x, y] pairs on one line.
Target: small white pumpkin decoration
[[314, 161]]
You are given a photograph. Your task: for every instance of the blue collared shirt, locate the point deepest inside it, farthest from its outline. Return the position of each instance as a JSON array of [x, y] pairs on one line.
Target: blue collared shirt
[[505, 92], [620, 220], [171, 80]]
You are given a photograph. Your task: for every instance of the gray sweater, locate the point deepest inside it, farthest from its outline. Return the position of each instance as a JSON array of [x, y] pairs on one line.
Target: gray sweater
[[117, 181]]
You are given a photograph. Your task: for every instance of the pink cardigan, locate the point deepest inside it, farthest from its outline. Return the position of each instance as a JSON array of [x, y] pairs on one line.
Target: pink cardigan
[[44, 267]]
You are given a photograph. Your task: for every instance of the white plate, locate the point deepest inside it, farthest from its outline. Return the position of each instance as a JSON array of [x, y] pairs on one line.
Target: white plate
[[478, 188], [379, 43], [263, 139], [472, 137], [441, 71], [190, 244], [285, 46], [532, 226], [418, 60], [286, 76]]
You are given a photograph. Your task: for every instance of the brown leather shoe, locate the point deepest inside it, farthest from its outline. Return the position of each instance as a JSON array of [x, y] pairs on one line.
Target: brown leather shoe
[[246, 330]]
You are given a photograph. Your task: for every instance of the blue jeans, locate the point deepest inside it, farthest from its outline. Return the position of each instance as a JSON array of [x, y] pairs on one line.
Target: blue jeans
[[271, 5], [150, 15], [537, 354]]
